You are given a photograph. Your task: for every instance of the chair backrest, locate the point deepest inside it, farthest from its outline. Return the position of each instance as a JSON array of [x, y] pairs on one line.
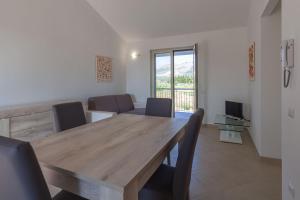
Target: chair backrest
[[21, 177], [159, 107], [184, 163], [68, 115]]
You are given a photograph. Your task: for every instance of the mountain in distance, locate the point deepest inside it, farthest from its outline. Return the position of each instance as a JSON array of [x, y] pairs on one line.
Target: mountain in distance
[[181, 69]]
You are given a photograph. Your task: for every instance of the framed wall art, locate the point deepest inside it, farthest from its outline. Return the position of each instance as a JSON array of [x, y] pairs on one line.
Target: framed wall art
[[103, 68], [252, 62]]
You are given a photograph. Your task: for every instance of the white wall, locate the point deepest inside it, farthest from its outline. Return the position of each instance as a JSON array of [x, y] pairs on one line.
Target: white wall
[[224, 54], [271, 85], [48, 50], [265, 91], [291, 100], [254, 35]]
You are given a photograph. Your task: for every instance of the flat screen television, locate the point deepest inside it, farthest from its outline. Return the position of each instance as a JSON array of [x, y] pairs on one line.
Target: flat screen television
[[234, 109]]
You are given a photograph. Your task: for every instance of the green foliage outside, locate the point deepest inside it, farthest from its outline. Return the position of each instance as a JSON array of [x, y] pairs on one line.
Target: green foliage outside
[[183, 98], [181, 81]]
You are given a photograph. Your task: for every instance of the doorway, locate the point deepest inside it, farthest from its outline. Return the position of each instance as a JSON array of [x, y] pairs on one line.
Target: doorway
[[174, 76]]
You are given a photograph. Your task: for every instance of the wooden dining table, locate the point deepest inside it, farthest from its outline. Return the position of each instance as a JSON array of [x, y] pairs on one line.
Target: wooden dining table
[[111, 159]]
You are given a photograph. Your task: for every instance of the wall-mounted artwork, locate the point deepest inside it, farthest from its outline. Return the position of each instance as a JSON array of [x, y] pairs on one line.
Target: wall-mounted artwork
[[252, 62], [103, 68]]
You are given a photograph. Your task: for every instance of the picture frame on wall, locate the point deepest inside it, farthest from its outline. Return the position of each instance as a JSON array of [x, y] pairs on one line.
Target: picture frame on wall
[[103, 68], [252, 61]]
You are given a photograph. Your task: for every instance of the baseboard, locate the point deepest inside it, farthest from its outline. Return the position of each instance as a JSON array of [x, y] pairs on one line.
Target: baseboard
[[267, 159], [271, 160]]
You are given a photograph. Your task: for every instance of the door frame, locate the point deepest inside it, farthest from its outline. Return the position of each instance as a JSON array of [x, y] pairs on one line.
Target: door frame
[[171, 52]]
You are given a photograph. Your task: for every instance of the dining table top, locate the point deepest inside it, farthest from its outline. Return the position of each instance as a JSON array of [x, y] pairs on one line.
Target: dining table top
[[110, 153]]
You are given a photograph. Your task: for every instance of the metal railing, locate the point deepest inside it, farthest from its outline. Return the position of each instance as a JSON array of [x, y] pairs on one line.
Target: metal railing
[[184, 98]]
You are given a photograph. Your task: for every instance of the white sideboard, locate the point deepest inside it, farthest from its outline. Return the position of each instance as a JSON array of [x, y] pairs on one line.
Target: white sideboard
[[33, 121]]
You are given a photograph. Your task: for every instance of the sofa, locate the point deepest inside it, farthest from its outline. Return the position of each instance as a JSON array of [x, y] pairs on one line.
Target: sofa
[[114, 103]]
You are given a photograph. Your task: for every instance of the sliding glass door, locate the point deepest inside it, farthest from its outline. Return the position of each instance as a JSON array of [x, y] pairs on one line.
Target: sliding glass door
[[163, 75], [174, 76]]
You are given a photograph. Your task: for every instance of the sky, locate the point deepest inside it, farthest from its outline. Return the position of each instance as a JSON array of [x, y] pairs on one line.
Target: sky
[[183, 64]]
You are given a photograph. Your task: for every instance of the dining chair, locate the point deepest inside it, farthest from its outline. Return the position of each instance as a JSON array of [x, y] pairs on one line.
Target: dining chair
[[159, 107], [172, 183], [68, 115], [21, 177]]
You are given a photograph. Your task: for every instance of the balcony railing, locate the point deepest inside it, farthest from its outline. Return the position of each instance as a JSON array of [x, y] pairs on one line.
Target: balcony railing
[[184, 98]]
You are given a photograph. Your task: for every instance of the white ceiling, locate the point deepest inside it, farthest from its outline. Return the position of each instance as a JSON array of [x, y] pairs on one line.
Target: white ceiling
[[142, 19]]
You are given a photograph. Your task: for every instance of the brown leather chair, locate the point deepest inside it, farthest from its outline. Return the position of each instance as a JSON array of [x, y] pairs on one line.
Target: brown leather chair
[[21, 177], [172, 183], [159, 107], [68, 115]]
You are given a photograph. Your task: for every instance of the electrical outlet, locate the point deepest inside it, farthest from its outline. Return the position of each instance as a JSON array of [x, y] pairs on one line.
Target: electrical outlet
[[292, 189]]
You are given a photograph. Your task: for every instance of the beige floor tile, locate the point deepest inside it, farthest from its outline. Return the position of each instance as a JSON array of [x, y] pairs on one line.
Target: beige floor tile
[[223, 171]]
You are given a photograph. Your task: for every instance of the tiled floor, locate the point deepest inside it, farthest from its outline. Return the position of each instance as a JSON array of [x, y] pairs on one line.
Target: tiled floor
[[223, 171]]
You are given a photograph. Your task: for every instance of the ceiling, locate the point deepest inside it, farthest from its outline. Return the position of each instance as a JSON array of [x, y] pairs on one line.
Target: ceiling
[[143, 19]]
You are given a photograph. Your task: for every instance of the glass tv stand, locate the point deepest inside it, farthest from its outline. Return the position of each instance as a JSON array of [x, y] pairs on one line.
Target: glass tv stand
[[231, 129]]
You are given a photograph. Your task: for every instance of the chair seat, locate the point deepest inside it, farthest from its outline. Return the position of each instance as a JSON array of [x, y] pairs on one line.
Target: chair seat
[[64, 195], [162, 179]]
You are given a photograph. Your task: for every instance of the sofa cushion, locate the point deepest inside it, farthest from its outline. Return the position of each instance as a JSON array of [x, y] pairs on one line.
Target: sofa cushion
[[124, 102], [104, 103]]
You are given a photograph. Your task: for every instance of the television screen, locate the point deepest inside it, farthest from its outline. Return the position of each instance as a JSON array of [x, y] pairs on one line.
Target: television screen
[[234, 109]]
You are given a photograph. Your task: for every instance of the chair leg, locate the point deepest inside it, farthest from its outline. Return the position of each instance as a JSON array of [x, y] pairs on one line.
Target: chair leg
[[188, 195], [169, 159]]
